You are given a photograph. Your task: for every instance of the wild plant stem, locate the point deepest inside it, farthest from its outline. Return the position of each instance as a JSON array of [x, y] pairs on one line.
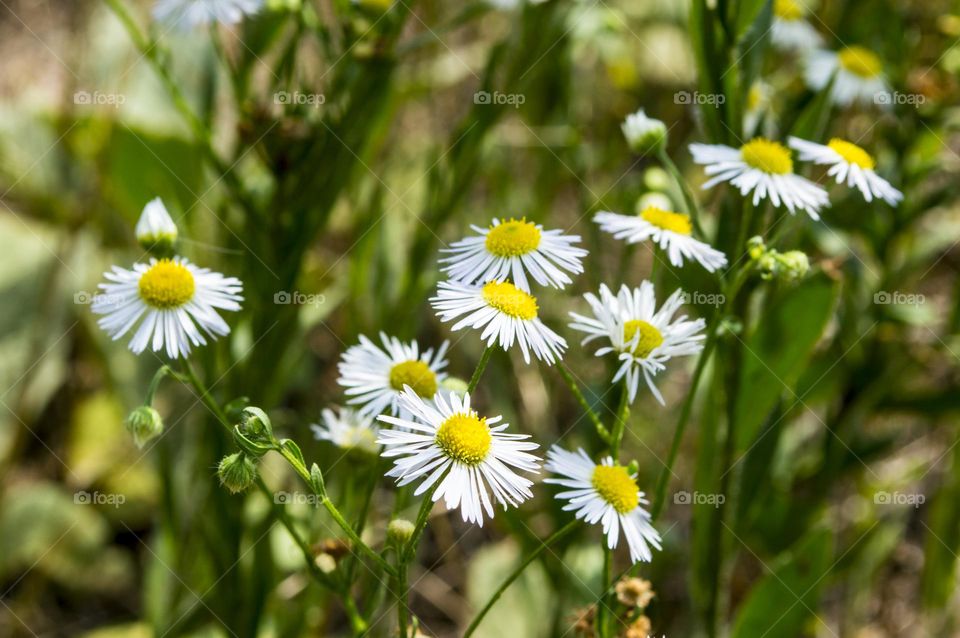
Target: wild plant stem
[[691, 202], [575, 390], [620, 422], [481, 366], [553, 538]]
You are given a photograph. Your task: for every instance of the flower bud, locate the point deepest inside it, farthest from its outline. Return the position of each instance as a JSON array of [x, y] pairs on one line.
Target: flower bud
[[255, 422], [237, 472], [755, 247], [644, 134], [399, 532], [144, 424], [155, 230], [454, 384], [795, 264]]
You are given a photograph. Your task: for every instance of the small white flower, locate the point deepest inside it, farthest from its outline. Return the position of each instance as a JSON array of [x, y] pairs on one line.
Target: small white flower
[[790, 30], [348, 430], [669, 230], [764, 168], [177, 300], [851, 164], [644, 134], [374, 377], [858, 72], [505, 313], [513, 248], [758, 105], [448, 437], [606, 493], [155, 225], [642, 337], [186, 14]]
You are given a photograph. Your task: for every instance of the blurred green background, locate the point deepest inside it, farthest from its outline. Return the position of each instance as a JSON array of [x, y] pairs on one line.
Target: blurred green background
[[350, 200]]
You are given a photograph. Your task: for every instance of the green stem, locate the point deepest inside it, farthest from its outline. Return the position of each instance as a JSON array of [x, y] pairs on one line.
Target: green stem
[[553, 538], [481, 366], [692, 208], [620, 422], [575, 389], [602, 624]]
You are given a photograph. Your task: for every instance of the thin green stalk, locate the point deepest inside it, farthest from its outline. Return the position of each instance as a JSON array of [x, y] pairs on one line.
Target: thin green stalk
[[603, 626], [553, 538], [575, 389], [481, 366], [692, 208], [620, 422]]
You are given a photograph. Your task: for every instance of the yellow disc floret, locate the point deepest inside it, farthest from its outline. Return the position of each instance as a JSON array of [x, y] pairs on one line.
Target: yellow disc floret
[[167, 284], [852, 153], [616, 487], [416, 374], [860, 61], [513, 238], [650, 338], [510, 300], [465, 437], [667, 220], [767, 156], [788, 10]]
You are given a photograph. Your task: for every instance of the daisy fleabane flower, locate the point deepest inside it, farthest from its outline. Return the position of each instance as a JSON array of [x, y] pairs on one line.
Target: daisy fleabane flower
[[644, 134], [505, 312], [186, 14], [857, 75], [155, 226], [177, 301], [642, 337], [348, 430], [790, 29], [515, 248], [851, 164], [604, 493], [669, 230], [764, 168], [471, 456], [374, 377]]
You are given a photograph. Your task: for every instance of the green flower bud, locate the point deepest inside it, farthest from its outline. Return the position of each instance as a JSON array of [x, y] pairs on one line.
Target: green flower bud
[[795, 264], [644, 134], [755, 247], [237, 472], [255, 422], [454, 384], [144, 424], [399, 532], [156, 231]]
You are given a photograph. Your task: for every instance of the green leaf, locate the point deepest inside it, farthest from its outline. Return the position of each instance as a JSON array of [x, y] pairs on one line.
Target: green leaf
[[747, 13], [782, 603], [942, 541], [778, 349]]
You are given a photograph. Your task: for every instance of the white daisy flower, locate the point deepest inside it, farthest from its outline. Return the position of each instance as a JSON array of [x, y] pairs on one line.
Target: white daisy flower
[[448, 437], [513, 248], [848, 162], [644, 134], [155, 226], [859, 76], [764, 168], [505, 312], [642, 337], [186, 14], [606, 493], [790, 29], [669, 230], [348, 430], [374, 377], [177, 300]]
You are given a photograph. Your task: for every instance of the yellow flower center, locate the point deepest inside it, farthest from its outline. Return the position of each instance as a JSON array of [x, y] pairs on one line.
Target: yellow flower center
[[510, 300], [767, 156], [615, 486], [852, 153], [788, 10], [167, 284], [465, 438], [674, 222], [860, 61], [417, 375], [513, 238], [649, 338]]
